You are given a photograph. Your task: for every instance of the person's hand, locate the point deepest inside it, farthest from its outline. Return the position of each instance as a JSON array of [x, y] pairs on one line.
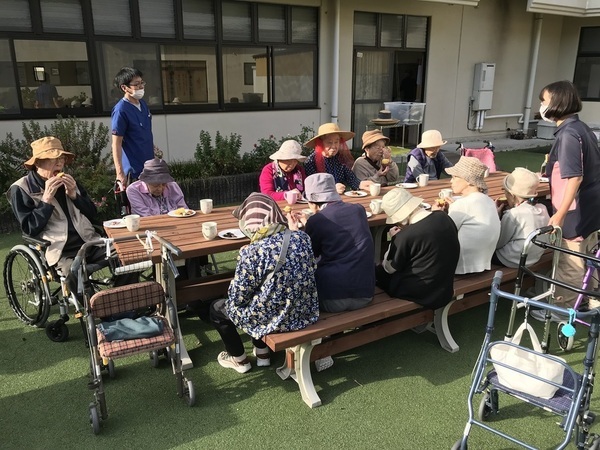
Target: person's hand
[[440, 205], [51, 186], [383, 171], [557, 220], [70, 186], [394, 231], [122, 178], [387, 153], [294, 222], [340, 188]]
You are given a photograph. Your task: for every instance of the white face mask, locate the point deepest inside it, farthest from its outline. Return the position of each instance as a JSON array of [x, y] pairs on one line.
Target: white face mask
[[543, 110], [138, 94]]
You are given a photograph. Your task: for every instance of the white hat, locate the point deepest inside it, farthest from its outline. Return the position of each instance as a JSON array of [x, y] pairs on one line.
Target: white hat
[[290, 149], [398, 204], [522, 183], [431, 138]]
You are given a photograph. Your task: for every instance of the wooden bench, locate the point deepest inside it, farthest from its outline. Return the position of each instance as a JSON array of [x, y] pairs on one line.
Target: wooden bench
[[385, 316]]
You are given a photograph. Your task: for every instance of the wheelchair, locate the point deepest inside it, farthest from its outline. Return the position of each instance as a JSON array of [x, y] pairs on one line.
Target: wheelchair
[[33, 287]]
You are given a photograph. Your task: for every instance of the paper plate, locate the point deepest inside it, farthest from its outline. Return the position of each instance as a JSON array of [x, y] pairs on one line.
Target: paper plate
[[544, 180], [355, 193], [407, 185], [425, 205], [115, 223], [369, 214], [188, 213], [232, 233]]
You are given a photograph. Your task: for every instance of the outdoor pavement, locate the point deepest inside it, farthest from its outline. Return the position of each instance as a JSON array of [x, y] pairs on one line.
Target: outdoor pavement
[[501, 145]]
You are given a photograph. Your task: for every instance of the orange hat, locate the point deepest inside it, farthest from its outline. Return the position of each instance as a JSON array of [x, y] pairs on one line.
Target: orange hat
[[47, 147]]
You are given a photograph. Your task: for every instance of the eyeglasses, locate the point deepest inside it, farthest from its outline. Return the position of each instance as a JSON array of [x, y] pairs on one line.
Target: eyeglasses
[[139, 84]]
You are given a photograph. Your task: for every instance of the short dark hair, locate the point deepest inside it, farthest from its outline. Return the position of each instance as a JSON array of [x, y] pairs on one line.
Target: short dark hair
[[125, 76], [565, 99]]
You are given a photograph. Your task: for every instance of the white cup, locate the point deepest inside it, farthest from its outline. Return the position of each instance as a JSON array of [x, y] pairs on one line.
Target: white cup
[[132, 222], [445, 193], [375, 188], [209, 230], [206, 205], [376, 206], [423, 179]]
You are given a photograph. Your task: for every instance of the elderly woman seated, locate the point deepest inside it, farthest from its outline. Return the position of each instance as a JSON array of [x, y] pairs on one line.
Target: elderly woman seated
[[376, 163], [427, 158], [273, 288], [474, 214], [330, 157], [285, 172], [419, 265], [156, 192]]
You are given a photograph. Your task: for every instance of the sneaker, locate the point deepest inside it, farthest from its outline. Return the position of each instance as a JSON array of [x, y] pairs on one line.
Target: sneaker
[[323, 363], [262, 359], [227, 361], [540, 314]]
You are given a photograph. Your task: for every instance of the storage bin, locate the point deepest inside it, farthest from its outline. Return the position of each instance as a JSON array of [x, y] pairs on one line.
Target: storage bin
[[545, 130], [409, 113]]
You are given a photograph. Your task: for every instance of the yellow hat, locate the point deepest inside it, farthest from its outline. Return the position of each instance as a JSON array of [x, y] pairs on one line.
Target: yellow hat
[[48, 147]]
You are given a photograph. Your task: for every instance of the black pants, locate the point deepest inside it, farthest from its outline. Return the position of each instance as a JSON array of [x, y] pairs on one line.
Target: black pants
[[228, 331]]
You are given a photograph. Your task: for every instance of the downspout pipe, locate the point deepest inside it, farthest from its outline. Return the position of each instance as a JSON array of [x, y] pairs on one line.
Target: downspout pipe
[[335, 72], [537, 37]]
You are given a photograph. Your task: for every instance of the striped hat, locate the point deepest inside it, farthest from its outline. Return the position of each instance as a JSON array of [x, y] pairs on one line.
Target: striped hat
[[257, 211]]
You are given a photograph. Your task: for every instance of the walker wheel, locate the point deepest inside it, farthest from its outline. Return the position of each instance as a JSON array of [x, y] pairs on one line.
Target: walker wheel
[[564, 342], [57, 331], [112, 373], [94, 419], [189, 393], [485, 408], [154, 360]]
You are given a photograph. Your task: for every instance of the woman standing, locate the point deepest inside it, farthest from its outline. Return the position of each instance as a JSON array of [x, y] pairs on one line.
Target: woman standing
[[574, 171], [285, 172], [329, 145]]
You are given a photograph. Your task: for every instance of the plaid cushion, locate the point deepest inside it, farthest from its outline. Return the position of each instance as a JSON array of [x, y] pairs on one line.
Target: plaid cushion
[[119, 349], [126, 298]]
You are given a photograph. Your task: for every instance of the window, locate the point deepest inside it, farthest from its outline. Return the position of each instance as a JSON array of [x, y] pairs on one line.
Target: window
[[9, 100], [52, 74], [107, 22], [198, 19], [294, 75], [62, 16], [237, 22], [15, 15], [235, 89], [304, 25], [271, 23], [587, 67], [157, 18], [390, 30]]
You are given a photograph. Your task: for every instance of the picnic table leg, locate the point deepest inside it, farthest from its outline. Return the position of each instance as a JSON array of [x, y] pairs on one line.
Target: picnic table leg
[[300, 372], [441, 328]]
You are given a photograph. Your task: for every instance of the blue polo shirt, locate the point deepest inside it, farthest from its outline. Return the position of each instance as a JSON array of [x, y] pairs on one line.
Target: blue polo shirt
[[135, 125]]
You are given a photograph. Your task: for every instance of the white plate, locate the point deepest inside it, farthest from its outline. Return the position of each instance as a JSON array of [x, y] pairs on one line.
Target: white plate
[[190, 213], [232, 233], [115, 223], [301, 200], [544, 180], [368, 214], [407, 185], [425, 205], [355, 193]]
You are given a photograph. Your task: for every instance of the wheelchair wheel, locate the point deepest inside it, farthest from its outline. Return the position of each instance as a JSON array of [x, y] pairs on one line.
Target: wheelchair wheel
[[94, 418], [26, 286], [57, 331], [564, 342]]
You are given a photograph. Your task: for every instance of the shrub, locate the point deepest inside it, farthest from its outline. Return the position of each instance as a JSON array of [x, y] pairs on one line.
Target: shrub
[[221, 159], [91, 167]]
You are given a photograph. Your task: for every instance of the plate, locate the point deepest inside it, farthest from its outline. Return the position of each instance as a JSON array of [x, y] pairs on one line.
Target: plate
[[188, 213], [232, 233], [368, 214], [425, 205], [355, 193], [544, 180], [301, 200], [115, 223], [407, 185]]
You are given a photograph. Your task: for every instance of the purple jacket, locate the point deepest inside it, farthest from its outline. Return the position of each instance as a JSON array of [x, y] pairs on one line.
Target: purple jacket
[[417, 163], [144, 204]]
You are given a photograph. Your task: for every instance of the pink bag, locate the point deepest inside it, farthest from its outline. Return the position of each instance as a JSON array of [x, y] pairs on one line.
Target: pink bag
[[485, 155]]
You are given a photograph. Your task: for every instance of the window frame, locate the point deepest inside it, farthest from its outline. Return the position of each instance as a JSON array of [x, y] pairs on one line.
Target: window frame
[[585, 54]]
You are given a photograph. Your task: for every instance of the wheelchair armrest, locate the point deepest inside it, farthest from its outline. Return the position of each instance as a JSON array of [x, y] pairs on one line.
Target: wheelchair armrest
[[43, 243]]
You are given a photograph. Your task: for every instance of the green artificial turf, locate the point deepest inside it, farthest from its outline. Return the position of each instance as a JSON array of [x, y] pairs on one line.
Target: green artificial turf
[[402, 392]]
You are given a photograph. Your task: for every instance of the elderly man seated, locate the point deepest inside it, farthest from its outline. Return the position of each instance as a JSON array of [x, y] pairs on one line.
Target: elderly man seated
[[50, 204]]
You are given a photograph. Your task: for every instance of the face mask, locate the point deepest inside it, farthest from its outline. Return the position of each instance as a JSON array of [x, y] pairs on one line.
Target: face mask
[[138, 94], [543, 110]]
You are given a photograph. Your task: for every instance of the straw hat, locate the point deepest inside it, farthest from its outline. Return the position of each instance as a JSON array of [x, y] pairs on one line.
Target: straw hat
[[329, 128], [320, 188], [469, 169], [369, 137], [431, 138], [398, 204], [290, 149], [385, 118], [522, 183], [48, 147], [156, 171]]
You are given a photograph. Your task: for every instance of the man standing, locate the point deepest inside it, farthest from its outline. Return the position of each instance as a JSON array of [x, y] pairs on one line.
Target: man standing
[[46, 96], [132, 141]]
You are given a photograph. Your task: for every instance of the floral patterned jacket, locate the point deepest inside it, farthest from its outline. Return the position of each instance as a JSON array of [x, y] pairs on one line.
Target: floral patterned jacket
[[288, 301]]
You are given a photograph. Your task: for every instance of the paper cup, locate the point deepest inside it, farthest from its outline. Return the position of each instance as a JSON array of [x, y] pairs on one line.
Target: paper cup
[[206, 205], [132, 222], [209, 230]]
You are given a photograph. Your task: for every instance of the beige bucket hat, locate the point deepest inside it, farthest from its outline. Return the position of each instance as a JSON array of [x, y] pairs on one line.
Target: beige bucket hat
[[398, 204], [522, 183], [431, 138], [290, 149], [48, 147]]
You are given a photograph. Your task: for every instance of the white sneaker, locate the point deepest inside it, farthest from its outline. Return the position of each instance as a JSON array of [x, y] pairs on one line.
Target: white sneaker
[[540, 314], [323, 363], [226, 360], [262, 359]]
